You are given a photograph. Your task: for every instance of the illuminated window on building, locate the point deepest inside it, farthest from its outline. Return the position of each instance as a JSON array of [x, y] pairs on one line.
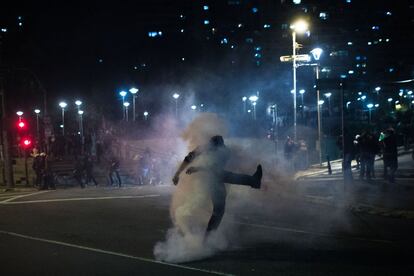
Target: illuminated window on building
[[154, 34], [323, 15], [224, 41]]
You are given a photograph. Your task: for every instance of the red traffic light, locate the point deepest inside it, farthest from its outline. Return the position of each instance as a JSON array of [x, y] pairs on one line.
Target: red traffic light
[[26, 142], [21, 124]]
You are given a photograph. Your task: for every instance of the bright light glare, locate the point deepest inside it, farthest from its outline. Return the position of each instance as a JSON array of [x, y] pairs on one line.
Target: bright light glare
[[302, 91], [363, 97], [80, 112], [376, 105], [370, 105], [19, 113], [253, 98], [244, 98], [299, 26], [389, 100], [176, 95], [126, 104], [78, 103], [146, 113], [193, 107], [328, 94], [122, 93], [133, 90], [321, 102], [37, 111], [63, 104], [316, 53], [377, 88]]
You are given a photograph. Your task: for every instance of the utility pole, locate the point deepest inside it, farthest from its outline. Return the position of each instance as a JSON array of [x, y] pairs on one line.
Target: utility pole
[[8, 169]]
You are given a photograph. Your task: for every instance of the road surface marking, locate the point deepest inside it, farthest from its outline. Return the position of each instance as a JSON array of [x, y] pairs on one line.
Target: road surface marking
[[20, 196], [111, 253], [74, 199], [298, 231]]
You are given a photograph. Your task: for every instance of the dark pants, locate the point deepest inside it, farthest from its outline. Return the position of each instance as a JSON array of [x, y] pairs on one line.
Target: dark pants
[[39, 178], [90, 178], [390, 161], [347, 169], [117, 177], [365, 166], [218, 195]]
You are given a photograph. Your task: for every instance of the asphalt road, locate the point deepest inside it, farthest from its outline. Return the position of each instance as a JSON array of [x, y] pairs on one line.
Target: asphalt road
[[111, 231]]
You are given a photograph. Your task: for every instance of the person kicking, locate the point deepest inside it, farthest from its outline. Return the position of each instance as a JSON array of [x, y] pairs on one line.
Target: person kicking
[[218, 155]]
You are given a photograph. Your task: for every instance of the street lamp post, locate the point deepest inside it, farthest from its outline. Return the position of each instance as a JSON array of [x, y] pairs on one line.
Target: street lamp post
[[134, 92], [37, 111], [302, 92], [253, 99], [80, 112], [63, 105], [146, 115], [328, 96], [126, 104], [316, 54], [123, 94], [176, 96], [298, 27], [244, 99]]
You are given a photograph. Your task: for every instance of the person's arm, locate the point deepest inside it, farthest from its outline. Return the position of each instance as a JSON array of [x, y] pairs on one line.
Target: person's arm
[[187, 160]]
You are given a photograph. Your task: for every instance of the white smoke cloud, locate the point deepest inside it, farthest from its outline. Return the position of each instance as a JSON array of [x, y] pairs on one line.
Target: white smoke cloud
[[191, 205]]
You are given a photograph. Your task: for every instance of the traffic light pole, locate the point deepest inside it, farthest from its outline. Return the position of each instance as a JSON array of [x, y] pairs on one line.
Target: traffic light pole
[[8, 169]]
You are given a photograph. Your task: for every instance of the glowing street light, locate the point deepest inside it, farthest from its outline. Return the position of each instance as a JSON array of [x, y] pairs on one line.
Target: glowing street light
[[253, 99], [193, 107], [146, 115], [300, 27], [176, 96], [126, 104], [134, 92], [347, 104], [63, 105], [316, 53], [78, 104], [19, 113]]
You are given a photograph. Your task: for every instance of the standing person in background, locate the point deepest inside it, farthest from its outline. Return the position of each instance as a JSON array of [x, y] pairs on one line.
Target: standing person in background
[[373, 150], [390, 154], [89, 170], [348, 154], [114, 169]]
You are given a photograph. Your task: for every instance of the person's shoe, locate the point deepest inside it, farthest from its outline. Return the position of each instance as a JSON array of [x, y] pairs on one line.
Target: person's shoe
[[258, 177]]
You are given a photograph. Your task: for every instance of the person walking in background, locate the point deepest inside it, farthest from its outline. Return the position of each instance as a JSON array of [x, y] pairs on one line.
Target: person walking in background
[[114, 169], [388, 142]]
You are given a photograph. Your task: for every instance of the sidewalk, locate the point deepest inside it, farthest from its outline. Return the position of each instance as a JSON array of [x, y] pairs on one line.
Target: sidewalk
[[336, 166]]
